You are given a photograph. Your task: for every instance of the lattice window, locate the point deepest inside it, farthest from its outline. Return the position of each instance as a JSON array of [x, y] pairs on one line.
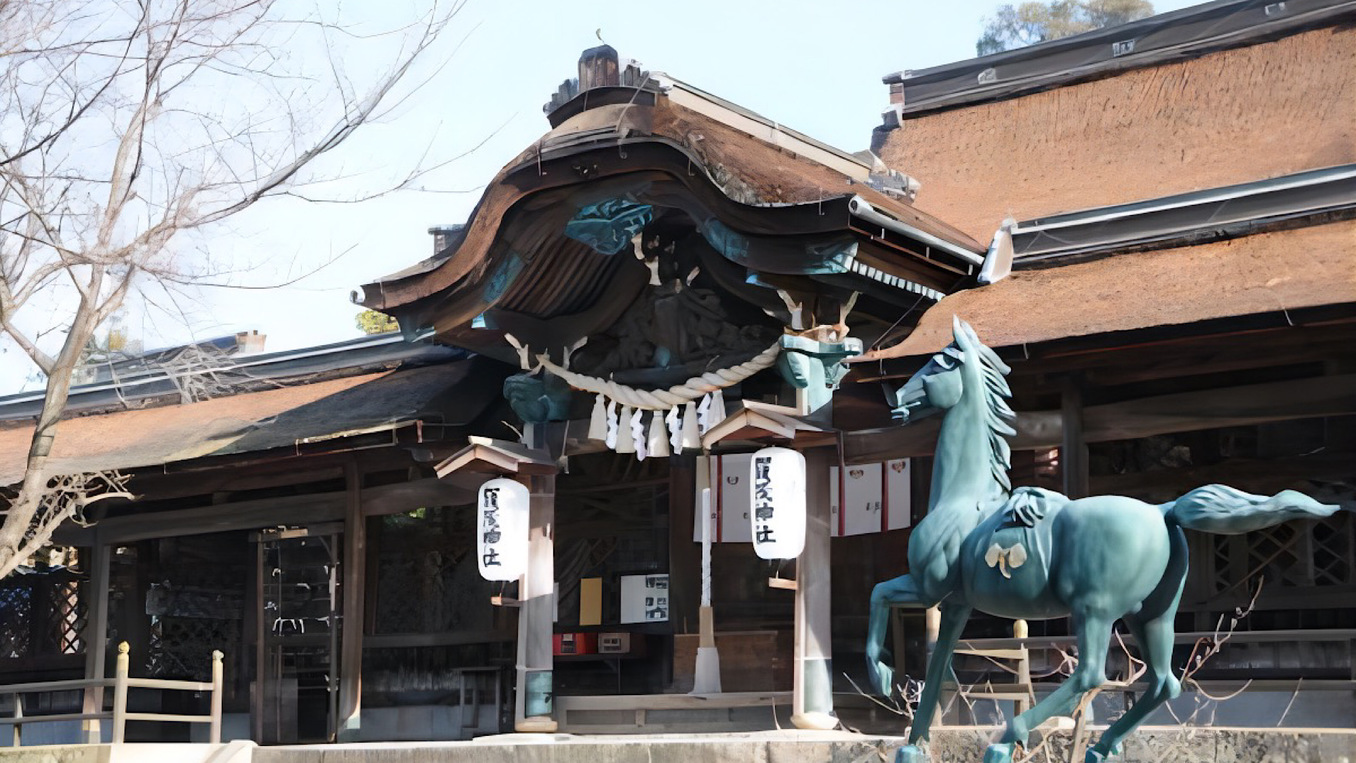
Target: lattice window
[[16, 619], [181, 647], [41, 613], [66, 617], [1292, 555], [197, 606], [1333, 552]]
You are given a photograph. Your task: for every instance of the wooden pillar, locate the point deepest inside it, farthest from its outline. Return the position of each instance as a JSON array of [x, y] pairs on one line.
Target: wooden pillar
[[349, 717], [812, 694], [533, 705], [685, 557], [1073, 452], [96, 632]]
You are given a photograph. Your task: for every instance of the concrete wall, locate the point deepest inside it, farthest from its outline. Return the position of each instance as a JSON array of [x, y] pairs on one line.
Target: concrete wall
[[1228, 117]]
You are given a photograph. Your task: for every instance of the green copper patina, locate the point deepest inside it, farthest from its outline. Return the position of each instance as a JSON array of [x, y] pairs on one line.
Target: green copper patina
[[1035, 554], [816, 365]]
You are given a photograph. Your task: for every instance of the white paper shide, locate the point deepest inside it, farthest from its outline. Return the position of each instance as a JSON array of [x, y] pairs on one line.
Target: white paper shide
[[501, 530], [777, 500]]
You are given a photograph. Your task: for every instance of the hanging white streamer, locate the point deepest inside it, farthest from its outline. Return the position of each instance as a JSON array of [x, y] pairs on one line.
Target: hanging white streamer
[[675, 429], [704, 422], [638, 434], [717, 412], [611, 424]]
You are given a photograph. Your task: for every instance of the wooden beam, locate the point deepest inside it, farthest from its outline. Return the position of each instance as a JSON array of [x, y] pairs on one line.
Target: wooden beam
[[1265, 476], [1314, 397], [1035, 430], [270, 512], [1215, 408]]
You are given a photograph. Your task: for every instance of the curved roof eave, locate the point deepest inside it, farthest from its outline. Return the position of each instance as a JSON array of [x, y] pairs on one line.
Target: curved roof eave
[[795, 197]]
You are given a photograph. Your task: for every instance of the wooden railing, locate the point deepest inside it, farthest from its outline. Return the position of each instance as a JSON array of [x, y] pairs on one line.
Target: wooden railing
[[120, 683]]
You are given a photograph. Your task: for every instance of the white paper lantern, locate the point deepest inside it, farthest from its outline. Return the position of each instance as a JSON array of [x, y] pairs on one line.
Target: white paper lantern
[[501, 529], [777, 502]]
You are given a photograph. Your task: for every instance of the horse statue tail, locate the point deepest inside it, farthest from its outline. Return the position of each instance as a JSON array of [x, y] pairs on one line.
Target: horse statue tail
[[1222, 510]]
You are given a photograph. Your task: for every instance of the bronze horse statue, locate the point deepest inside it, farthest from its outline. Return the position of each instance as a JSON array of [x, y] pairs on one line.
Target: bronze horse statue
[[1035, 554]]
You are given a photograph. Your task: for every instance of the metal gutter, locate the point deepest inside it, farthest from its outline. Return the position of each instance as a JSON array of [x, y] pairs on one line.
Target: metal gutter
[[863, 209], [1147, 42], [125, 386], [1315, 192]]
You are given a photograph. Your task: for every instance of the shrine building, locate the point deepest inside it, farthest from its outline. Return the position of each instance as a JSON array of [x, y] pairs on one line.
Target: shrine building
[[1153, 224]]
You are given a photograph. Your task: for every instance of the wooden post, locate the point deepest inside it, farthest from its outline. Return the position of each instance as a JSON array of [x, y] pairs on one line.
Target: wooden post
[[349, 720], [214, 733], [120, 693], [258, 689], [96, 632], [812, 694], [1073, 451], [18, 715], [684, 555], [533, 707]]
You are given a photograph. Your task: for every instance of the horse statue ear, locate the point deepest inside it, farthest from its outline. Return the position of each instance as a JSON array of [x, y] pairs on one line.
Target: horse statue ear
[[964, 336]]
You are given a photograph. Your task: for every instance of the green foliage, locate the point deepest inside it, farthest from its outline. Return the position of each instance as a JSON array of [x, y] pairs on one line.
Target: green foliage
[[1016, 26], [373, 322]]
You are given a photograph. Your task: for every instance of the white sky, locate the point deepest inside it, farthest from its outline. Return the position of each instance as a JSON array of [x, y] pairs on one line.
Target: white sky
[[813, 66]]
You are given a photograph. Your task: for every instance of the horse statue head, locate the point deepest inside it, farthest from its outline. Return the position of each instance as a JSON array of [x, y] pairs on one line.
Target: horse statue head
[[965, 371], [965, 365]]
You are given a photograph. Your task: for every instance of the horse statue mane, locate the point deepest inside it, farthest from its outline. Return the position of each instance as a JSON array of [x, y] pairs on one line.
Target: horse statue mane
[[1035, 554], [998, 415]]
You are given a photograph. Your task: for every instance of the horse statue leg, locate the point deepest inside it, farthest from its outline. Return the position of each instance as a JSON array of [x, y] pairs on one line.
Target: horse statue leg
[[1094, 637], [1152, 627], [954, 616], [900, 590]]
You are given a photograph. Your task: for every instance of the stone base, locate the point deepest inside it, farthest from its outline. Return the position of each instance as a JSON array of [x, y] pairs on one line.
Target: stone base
[[1175, 744], [949, 745]]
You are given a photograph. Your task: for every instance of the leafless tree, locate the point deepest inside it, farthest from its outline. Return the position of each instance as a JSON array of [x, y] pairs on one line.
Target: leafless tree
[[127, 128]]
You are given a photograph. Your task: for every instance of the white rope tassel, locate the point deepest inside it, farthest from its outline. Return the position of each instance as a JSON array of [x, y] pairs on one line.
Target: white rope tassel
[[691, 439], [611, 439], [717, 412], [625, 442], [638, 435], [675, 429], [658, 446], [598, 419]]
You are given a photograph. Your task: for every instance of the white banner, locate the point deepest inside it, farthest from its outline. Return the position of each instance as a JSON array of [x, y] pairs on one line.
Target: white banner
[[879, 498]]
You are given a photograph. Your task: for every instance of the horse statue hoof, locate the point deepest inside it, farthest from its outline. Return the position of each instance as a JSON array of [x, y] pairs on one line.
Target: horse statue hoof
[[882, 678], [910, 754], [1097, 756], [999, 753]]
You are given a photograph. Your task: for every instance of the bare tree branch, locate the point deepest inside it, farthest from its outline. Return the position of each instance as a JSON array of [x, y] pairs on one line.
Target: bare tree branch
[[117, 149]]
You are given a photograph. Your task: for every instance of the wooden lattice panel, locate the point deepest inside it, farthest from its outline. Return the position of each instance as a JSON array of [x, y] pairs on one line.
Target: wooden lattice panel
[[1293, 555], [66, 617], [16, 620]]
